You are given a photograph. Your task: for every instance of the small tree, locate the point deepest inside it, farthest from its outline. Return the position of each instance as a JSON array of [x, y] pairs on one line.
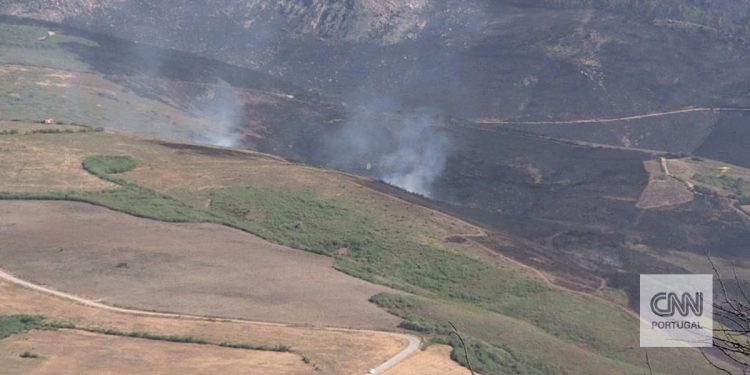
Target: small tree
[[732, 338]]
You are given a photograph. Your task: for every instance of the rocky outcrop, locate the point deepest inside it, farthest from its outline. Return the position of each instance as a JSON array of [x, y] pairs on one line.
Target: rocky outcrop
[[334, 20]]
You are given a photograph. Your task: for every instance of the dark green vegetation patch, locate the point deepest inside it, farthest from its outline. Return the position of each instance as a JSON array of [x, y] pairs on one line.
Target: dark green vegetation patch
[[109, 164], [378, 251], [14, 324], [735, 185]]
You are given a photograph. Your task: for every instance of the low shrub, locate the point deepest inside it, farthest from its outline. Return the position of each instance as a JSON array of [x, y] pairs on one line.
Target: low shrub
[[104, 165], [29, 355]]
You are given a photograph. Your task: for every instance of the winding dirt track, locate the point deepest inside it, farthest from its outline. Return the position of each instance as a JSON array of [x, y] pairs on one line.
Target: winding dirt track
[[615, 119], [413, 345]]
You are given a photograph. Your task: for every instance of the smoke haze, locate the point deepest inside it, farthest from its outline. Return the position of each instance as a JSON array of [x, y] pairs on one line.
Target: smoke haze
[[403, 147], [223, 106]]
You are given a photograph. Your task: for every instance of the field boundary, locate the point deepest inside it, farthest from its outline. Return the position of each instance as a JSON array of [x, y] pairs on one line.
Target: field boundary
[[491, 121], [413, 342]]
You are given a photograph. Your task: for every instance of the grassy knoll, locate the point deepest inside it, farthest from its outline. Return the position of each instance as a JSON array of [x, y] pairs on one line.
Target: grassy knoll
[[375, 251], [514, 323], [135, 199], [103, 165]]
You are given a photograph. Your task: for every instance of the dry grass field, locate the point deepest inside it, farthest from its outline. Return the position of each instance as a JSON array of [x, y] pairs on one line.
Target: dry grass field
[[26, 167], [202, 269], [192, 173], [86, 353], [333, 351], [20, 127], [434, 360], [400, 244], [662, 190]]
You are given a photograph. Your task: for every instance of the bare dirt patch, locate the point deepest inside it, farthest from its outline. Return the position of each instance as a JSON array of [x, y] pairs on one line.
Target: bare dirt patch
[[435, 360], [662, 190], [87, 353], [201, 269]]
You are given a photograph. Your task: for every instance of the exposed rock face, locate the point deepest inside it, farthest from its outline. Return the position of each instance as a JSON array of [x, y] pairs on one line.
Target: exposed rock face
[[356, 20], [351, 20], [55, 10], [471, 59]]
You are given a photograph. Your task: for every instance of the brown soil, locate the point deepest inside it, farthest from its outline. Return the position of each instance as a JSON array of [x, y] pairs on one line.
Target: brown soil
[[86, 353], [200, 269]]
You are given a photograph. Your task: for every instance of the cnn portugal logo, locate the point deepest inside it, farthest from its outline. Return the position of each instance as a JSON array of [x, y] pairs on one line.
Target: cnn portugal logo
[[676, 311], [667, 304]]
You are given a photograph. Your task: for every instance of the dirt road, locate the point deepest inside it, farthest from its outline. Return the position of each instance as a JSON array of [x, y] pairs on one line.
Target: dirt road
[[614, 119], [413, 345]]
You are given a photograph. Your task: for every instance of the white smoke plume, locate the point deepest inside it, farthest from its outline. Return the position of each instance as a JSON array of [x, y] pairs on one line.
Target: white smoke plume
[[405, 148], [420, 155], [223, 106]]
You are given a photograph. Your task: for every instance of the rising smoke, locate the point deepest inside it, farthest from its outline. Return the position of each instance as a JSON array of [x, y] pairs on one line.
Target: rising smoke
[[420, 155], [405, 148], [221, 104]]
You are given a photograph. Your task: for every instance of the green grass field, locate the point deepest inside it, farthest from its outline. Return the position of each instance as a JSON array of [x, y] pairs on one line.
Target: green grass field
[[513, 323], [734, 185]]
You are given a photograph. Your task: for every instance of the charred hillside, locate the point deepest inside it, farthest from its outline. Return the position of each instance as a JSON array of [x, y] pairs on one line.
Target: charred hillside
[[436, 97], [507, 59]]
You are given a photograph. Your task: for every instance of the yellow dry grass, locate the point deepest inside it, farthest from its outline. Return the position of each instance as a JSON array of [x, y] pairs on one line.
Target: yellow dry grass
[[190, 173], [30, 127], [26, 167], [434, 360], [86, 353], [334, 351]]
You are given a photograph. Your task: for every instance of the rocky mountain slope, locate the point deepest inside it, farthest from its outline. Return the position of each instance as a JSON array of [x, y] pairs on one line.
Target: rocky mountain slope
[[361, 20], [468, 58], [418, 92]]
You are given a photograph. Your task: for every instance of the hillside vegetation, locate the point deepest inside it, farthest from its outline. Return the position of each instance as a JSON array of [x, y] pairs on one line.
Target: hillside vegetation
[[514, 321]]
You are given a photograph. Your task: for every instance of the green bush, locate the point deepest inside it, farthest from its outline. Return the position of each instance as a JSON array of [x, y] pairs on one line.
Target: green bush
[[14, 324], [29, 355], [103, 165]]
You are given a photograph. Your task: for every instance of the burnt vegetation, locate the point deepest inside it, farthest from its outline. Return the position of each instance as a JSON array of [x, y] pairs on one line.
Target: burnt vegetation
[[559, 195]]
